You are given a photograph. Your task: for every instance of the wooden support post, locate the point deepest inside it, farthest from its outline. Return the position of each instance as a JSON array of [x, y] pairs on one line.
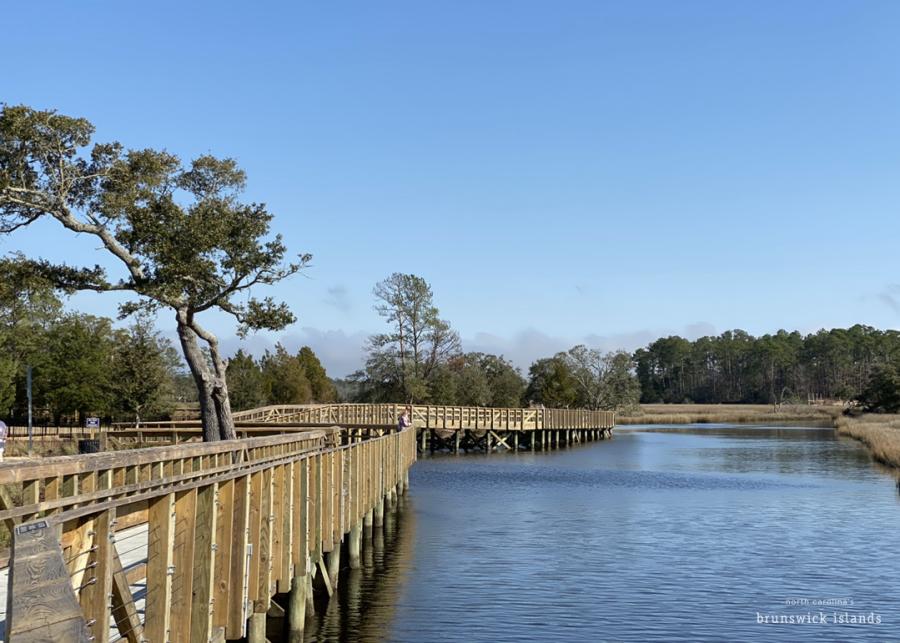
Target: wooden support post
[[515, 440], [310, 599], [297, 607], [333, 559], [256, 628], [457, 436], [487, 442], [355, 545], [368, 522], [424, 439], [379, 511]]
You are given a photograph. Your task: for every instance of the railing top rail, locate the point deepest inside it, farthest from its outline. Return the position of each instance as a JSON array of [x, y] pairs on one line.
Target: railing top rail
[[22, 471], [115, 496]]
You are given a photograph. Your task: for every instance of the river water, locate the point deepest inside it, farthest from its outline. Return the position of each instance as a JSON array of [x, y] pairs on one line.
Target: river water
[[699, 533]]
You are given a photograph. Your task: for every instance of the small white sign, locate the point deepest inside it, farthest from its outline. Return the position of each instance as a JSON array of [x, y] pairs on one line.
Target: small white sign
[[92, 423]]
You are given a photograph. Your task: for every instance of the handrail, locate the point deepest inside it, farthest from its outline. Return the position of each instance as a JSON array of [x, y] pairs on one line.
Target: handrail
[[229, 525], [423, 415]]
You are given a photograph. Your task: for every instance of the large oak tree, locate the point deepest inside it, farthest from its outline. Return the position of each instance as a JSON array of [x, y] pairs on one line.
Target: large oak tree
[[180, 233]]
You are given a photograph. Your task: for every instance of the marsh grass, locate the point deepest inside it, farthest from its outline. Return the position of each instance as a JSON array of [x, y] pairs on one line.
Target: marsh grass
[[728, 414], [880, 433]]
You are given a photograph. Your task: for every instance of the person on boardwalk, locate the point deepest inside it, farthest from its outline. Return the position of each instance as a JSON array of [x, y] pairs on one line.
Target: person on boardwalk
[[404, 421], [3, 432]]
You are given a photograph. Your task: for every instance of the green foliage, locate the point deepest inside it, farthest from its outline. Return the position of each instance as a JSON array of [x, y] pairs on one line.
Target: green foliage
[[322, 388], [246, 384], [180, 231], [75, 375], [403, 362], [737, 367], [182, 237], [619, 387], [882, 393], [472, 386], [603, 380], [143, 371], [8, 369], [552, 383], [285, 378], [584, 378], [504, 381], [278, 378]]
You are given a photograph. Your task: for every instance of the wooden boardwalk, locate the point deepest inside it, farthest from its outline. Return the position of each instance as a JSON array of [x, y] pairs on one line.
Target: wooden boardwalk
[[450, 428], [229, 527], [217, 541]]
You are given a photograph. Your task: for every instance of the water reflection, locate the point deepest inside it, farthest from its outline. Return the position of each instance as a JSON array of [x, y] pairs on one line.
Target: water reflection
[[363, 608], [678, 534]]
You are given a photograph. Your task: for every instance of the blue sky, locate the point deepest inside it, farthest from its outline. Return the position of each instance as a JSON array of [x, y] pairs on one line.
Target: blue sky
[[560, 172]]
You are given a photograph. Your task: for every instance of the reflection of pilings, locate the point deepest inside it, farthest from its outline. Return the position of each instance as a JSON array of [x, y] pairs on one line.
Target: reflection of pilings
[[364, 602]]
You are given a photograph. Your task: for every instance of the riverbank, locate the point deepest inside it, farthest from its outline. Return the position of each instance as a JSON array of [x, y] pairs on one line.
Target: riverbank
[[730, 414], [880, 433]]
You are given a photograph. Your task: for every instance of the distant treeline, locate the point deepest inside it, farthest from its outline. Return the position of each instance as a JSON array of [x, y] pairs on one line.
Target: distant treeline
[[84, 365], [734, 367], [81, 364], [419, 359]]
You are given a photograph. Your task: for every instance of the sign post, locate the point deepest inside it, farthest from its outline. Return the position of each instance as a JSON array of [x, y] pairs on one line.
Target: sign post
[[93, 424], [28, 391]]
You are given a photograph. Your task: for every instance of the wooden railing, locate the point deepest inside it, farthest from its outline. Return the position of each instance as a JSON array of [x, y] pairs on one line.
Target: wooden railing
[[423, 416], [227, 526]]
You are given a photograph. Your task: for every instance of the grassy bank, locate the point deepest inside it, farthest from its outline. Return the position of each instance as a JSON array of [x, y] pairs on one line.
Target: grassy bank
[[729, 413], [880, 433]]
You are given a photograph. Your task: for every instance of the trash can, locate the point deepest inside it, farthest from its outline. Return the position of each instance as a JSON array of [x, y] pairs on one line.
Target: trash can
[[89, 446]]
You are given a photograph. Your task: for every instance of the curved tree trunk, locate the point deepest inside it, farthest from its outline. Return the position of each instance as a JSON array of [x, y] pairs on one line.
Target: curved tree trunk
[[209, 419], [219, 384]]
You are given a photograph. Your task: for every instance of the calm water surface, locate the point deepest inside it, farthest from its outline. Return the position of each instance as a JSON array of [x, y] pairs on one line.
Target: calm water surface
[[681, 534]]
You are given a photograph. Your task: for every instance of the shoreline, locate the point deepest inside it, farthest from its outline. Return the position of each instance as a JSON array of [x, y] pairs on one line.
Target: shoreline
[[880, 433], [729, 414]]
